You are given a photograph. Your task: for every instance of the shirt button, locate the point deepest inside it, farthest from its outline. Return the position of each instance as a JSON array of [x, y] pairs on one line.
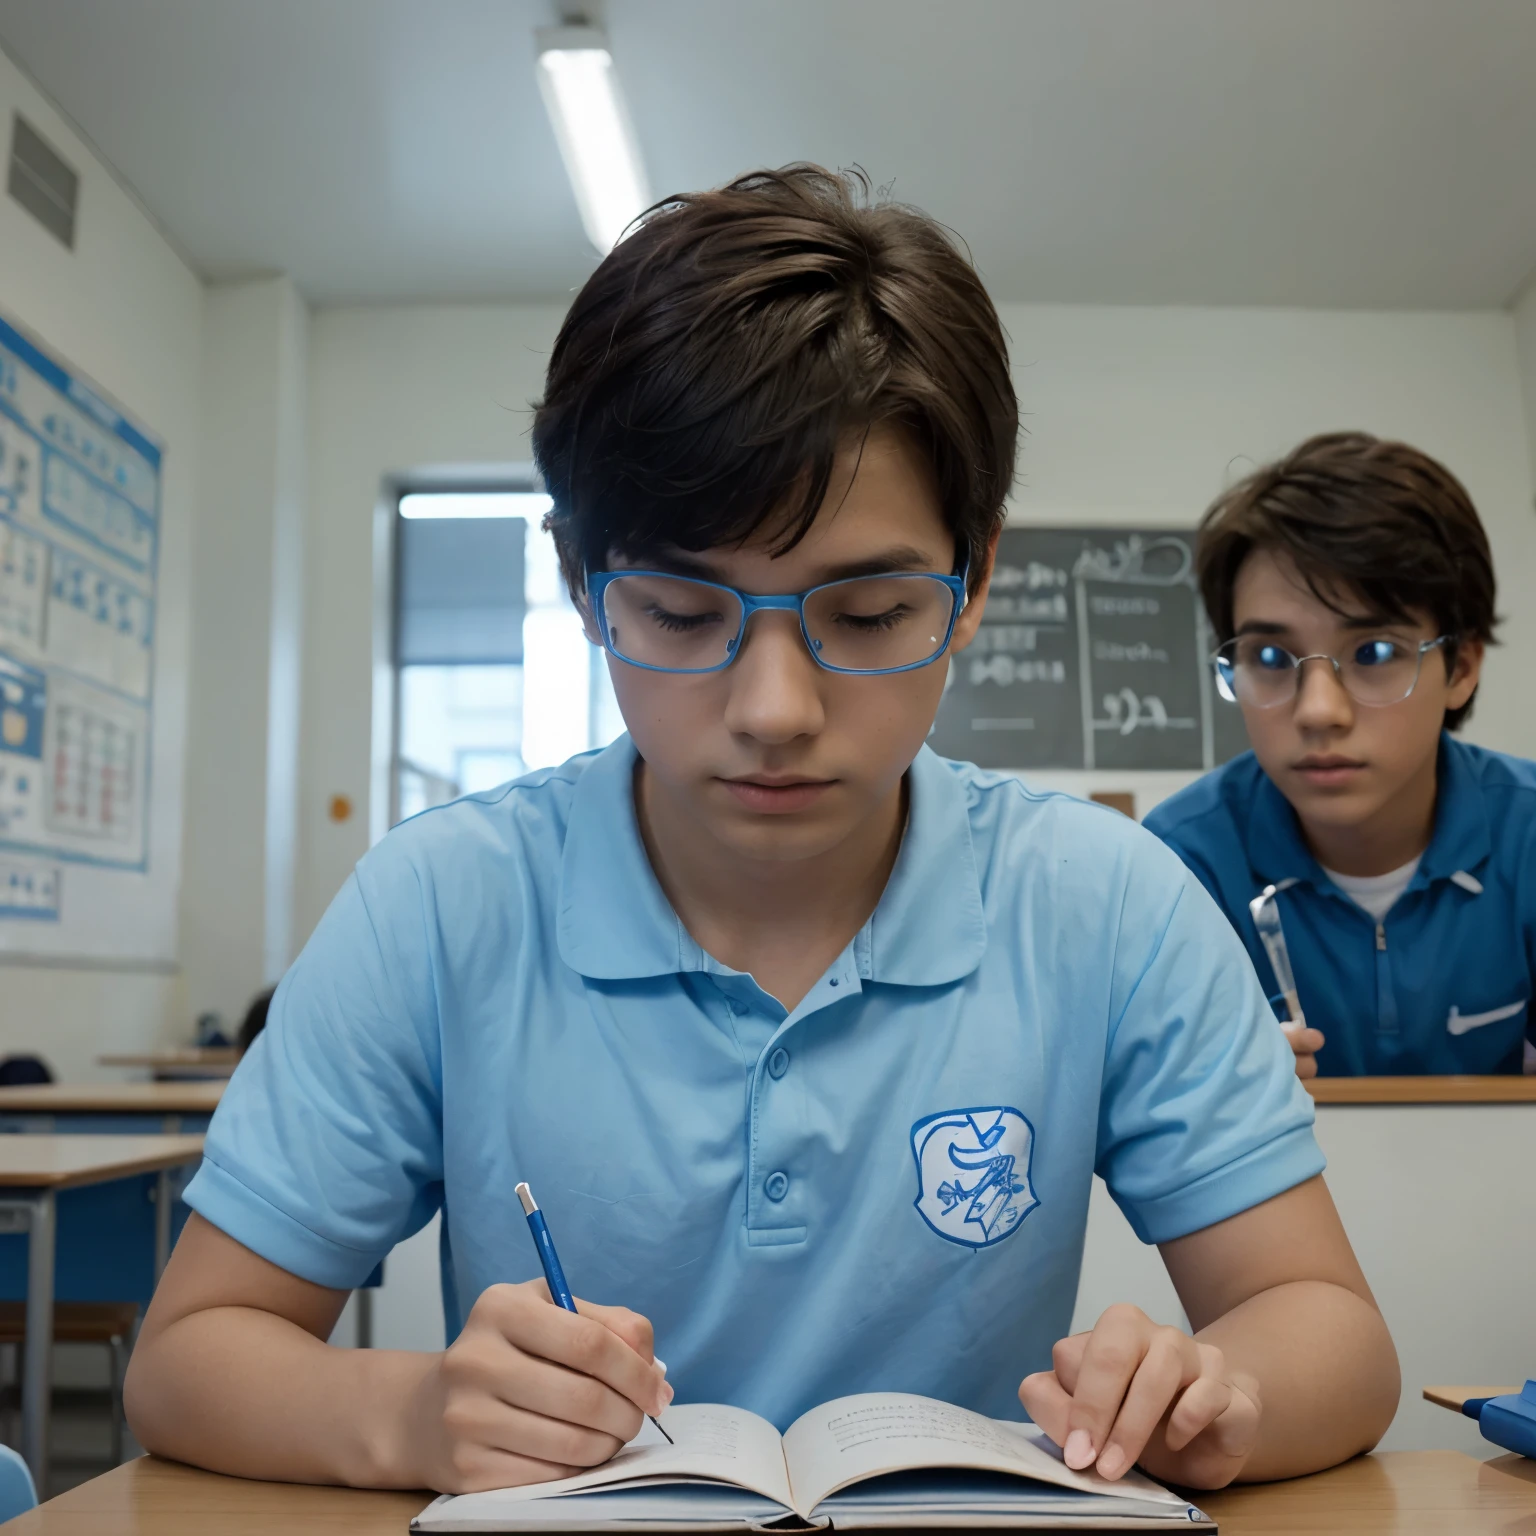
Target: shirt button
[[778, 1063], [776, 1186], [832, 982]]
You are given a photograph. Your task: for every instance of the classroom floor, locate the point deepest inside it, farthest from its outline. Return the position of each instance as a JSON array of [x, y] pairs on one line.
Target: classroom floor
[[80, 1431], [80, 1438]]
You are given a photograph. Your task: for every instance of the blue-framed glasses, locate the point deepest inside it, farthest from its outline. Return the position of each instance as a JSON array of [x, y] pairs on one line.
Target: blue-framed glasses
[[866, 624], [1254, 671]]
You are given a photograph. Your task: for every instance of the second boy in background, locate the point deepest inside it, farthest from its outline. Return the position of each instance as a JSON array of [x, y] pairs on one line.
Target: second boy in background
[[1352, 589]]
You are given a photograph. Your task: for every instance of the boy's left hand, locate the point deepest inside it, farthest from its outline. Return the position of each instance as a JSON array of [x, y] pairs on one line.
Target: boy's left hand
[[1133, 1390]]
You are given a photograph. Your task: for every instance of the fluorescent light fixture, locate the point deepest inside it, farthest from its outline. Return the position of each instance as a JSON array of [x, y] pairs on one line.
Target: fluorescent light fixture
[[529, 504], [597, 140]]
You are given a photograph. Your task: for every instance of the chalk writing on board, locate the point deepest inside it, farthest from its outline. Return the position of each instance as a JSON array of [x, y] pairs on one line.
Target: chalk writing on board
[[1093, 654]]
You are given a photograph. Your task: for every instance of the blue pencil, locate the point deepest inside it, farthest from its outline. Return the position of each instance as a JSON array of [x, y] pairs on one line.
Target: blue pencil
[[554, 1275]]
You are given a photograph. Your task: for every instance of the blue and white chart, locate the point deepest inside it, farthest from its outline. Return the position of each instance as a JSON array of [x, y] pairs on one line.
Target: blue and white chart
[[79, 546]]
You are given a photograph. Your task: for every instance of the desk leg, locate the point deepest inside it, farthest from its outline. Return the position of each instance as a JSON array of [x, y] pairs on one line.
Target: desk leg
[[162, 1222], [364, 1319], [37, 1369]]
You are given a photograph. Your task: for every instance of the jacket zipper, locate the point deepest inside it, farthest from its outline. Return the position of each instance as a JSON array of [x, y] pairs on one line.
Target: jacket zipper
[[1386, 996]]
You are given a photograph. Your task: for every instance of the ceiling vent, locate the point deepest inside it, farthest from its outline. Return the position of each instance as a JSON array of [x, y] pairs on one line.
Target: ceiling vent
[[42, 181]]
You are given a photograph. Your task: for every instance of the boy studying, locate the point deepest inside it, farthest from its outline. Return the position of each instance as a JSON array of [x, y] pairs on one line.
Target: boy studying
[[1377, 867], [810, 1041]]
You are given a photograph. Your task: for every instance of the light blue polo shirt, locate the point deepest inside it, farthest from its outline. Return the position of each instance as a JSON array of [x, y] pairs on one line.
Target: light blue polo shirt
[[885, 1189], [1444, 982]]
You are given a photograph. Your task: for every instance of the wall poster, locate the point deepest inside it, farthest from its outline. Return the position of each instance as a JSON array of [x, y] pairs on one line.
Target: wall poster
[[79, 547]]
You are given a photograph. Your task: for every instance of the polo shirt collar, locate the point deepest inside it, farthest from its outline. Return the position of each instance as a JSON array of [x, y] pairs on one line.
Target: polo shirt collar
[[614, 922], [1460, 842], [930, 927]]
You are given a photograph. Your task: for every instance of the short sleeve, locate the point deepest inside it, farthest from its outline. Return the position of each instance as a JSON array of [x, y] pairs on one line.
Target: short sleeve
[[326, 1149], [1201, 1114]]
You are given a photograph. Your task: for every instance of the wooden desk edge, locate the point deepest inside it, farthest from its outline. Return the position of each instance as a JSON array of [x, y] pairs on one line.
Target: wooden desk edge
[[208, 1056], [147, 1494], [1454, 1397], [1423, 1090], [113, 1098]]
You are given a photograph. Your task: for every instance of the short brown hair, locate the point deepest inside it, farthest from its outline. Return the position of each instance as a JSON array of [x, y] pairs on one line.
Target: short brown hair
[[1365, 514], [712, 365]]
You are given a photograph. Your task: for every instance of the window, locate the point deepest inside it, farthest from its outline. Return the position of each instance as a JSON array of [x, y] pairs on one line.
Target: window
[[494, 675]]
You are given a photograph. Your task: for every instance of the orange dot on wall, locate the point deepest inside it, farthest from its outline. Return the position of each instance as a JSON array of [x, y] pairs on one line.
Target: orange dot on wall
[[341, 807]]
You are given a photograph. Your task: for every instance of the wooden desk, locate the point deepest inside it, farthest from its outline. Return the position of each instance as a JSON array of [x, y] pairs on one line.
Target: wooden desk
[[1411, 1493], [1422, 1090], [33, 1169], [1454, 1397], [194, 1062], [1401, 1493], [161, 1105]]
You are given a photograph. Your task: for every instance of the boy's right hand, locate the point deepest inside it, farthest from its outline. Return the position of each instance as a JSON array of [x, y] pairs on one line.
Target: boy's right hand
[[1306, 1043], [530, 1392]]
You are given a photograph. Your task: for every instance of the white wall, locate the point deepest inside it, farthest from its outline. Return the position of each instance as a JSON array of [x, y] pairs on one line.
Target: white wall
[[1525, 351], [125, 310], [241, 798], [391, 390]]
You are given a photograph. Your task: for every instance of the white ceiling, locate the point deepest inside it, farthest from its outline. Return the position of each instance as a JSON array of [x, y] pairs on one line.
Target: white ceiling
[[1311, 152]]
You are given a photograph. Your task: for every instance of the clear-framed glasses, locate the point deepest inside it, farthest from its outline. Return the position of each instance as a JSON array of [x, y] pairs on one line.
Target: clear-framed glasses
[[866, 624], [1254, 671]]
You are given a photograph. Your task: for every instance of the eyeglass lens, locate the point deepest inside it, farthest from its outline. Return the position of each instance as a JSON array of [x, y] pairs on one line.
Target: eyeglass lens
[[1257, 672], [870, 624]]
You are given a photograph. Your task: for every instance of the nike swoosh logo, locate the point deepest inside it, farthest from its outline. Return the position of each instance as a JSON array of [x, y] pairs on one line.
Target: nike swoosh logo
[[1458, 1023]]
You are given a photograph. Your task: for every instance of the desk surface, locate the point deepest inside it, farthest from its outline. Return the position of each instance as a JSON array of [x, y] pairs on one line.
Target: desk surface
[[1454, 1397], [58, 1162], [188, 1098], [1423, 1090], [1407, 1493]]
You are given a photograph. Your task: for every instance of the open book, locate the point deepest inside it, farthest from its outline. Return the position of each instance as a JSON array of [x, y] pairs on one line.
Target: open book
[[877, 1460]]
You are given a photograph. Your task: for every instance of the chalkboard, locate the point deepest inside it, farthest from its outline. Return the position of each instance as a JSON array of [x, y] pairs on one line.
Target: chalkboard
[[1093, 654]]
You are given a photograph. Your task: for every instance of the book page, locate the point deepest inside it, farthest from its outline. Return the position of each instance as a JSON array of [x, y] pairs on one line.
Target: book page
[[727, 1445], [873, 1433]]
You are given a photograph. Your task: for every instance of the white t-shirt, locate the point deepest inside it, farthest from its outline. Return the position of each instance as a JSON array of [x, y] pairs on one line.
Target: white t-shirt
[[1376, 893]]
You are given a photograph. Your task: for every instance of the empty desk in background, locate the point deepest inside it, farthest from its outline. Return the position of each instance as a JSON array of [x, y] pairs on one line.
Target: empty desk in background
[[190, 1064], [105, 1250], [137, 1108], [105, 1108], [35, 1171]]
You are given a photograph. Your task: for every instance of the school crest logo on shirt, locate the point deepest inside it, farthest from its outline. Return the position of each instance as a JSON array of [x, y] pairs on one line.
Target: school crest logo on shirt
[[973, 1173]]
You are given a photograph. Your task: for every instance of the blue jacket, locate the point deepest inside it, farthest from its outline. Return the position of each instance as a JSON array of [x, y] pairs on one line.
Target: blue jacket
[[1444, 983]]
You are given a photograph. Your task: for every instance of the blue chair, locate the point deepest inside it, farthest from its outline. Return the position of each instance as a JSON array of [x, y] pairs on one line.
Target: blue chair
[[24, 1071], [17, 1495]]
